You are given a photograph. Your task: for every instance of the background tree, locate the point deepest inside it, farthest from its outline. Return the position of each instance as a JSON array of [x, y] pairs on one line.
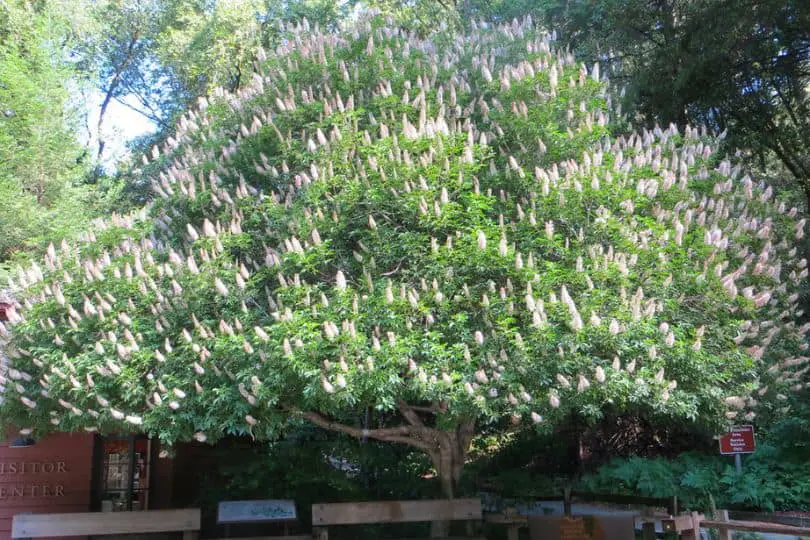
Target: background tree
[[157, 56], [441, 230], [421, 16], [42, 162], [192, 48], [751, 78], [119, 53], [218, 46], [673, 65]]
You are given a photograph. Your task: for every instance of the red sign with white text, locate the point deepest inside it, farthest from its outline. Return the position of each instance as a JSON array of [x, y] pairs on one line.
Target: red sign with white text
[[740, 440]]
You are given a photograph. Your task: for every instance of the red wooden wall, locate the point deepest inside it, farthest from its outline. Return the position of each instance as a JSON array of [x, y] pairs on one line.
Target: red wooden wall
[[52, 476]]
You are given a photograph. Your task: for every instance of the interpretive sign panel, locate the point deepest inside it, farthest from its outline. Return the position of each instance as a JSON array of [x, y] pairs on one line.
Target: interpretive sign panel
[[253, 511]]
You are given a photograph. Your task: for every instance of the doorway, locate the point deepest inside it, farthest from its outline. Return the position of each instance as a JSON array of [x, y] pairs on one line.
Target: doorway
[[125, 464]]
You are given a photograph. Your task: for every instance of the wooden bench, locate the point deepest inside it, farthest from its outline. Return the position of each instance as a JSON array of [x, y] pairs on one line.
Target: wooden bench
[[186, 521], [363, 513]]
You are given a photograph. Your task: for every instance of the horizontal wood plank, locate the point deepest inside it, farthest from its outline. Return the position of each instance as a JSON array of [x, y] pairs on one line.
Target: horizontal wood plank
[[753, 526], [287, 537], [357, 513], [620, 499], [98, 523], [445, 538], [501, 519]]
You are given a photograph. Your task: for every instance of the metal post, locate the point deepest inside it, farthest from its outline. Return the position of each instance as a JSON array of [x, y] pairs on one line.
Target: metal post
[[738, 462]]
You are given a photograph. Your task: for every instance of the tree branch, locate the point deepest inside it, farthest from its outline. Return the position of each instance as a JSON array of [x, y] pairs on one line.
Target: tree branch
[[432, 409], [114, 82], [444, 5], [786, 105], [401, 434], [466, 433], [145, 114], [129, 87], [409, 414]]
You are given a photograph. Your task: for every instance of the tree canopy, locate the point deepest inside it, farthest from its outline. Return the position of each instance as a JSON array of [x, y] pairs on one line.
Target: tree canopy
[[441, 228]]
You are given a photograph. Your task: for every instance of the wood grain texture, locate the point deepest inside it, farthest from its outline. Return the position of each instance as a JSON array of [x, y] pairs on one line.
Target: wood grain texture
[[693, 532], [395, 512], [162, 482], [70, 461], [723, 534], [754, 526], [287, 537], [447, 538], [98, 523]]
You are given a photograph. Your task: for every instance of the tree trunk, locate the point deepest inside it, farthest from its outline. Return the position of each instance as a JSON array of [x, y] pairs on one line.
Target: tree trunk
[[449, 462], [112, 87], [445, 459], [448, 458]]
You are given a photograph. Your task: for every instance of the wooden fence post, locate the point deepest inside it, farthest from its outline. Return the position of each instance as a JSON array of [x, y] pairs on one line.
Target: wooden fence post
[[695, 533], [723, 534], [692, 530]]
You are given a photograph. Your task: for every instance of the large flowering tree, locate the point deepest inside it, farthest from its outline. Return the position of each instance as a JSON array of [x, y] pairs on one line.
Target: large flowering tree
[[443, 229]]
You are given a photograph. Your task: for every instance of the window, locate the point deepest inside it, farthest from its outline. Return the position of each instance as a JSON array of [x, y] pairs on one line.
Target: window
[[127, 463]]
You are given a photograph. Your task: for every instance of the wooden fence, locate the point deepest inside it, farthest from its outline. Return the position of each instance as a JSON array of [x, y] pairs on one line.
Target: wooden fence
[[688, 526], [568, 497]]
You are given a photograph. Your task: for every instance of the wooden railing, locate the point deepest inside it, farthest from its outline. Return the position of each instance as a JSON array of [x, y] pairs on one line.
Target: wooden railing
[[104, 523], [568, 497], [325, 515], [688, 526]]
